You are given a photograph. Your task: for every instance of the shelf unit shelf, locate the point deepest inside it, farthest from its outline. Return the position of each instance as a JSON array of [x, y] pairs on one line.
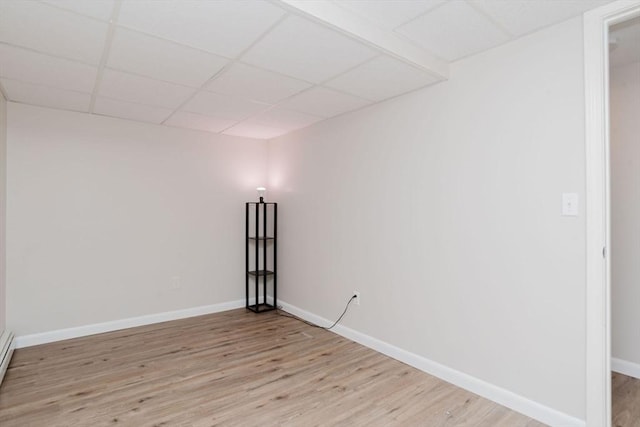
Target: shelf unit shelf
[[261, 273], [261, 308], [261, 232]]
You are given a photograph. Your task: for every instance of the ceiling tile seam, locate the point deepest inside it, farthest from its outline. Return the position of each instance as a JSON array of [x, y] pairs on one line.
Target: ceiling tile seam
[[420, 15], [271, 107], [105, 53], [264, 139], [245, 98], [239, 60], [49, 107], [228, 65], [406, 92], [203, 88], [300, 14], [239, 121], [541, 28], [490, 18], [264, 34], [324, 82], [226, 68], [413, 42], [145, 76], [39, 52], [397, 31], [174, 42], [323, 118], [348, 112], [184, 128], [288, 128], [364, 41], [124, 118], [73, 12], [46, 86], [315, 85], [424, 12], [404, 61], [220, 132], [355, 12], [274, 106], [236, 124], [268, 106], [261, 68], [334, 116], [196, 92], [329, 118], [141, 104], [230, 58]]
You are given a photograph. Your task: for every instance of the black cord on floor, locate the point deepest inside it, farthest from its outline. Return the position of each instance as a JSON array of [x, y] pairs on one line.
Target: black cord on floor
[[285, 314]]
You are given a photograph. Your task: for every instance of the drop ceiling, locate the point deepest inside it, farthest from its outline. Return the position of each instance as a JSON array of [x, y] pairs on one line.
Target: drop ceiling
[[253, 68]]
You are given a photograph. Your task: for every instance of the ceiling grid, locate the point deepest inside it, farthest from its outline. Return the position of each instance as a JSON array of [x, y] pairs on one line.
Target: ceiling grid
[[257, 68]]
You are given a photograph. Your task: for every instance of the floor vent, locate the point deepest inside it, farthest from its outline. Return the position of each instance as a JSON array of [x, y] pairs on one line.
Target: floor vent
[[6, 351]]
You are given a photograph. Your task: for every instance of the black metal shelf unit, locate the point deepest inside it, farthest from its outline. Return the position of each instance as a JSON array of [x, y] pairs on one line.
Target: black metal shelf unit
[[261, 232]]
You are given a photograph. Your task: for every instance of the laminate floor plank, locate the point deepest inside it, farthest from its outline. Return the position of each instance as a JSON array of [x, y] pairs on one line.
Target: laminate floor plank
[[625, 400], [231, 369]]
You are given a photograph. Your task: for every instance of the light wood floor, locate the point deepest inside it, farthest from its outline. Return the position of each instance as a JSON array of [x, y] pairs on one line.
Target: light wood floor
[[236, 369], [625, 400]]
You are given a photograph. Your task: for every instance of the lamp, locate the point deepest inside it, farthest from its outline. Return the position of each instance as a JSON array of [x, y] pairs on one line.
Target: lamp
[[261, 193]]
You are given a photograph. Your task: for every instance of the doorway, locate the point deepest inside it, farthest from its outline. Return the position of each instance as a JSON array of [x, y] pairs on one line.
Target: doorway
[[597, 23], [624, 146]]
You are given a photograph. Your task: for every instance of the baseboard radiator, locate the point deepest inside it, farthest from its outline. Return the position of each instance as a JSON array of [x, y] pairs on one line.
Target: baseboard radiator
[[6, 351]]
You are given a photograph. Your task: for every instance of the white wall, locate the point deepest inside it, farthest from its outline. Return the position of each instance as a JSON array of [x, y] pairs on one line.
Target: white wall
[[3, 169], [103, 213], [443, 208], [625, 212]]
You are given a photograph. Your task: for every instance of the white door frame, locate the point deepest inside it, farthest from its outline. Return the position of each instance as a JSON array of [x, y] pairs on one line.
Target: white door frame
[[598, 274]]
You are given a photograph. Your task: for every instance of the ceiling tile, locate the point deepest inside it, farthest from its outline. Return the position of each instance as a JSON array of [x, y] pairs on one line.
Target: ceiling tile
[[142, 90], [52, 30], [30, 67], [285, 119], [161, 59], [254, 83], [382, 78], [46, 96], [224, 106], [389, 13], [323, 102], [523, 16], [127, 110], [454, 30], [308, 51], [99, 9], [223, 27], [254, 130], [183, 119]]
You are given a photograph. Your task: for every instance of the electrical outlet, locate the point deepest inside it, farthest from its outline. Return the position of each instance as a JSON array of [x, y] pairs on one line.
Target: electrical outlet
[[357, 295]]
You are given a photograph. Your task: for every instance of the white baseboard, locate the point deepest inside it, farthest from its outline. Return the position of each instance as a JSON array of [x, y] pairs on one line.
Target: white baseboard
[[627, 368], [98, 328], [487, 390], [7, 344], [497, 394]]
